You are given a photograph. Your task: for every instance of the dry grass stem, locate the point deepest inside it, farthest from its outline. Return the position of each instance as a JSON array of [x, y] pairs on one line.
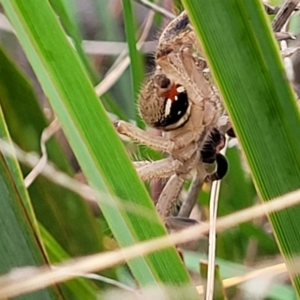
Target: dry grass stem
[[30, 279], [60, 178], [105, 280], [234, 281], [213, 210], [115, 72], [157, 8], [46, 135]]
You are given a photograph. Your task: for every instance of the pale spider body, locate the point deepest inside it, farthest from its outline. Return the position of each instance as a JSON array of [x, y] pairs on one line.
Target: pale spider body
[[180, 100]]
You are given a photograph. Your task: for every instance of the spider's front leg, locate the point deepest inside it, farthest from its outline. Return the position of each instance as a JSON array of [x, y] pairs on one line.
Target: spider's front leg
[[163, 168], [140, 136], [159, 143]]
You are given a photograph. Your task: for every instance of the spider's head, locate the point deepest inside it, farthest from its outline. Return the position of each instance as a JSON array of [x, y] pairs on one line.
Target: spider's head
[[164, 104]]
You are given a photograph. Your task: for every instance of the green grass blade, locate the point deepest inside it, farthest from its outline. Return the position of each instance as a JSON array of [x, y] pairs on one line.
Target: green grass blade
[[136, 66], [93, 139], [71, 29], [218, 293], [230, 269], [25, 122], [249, 73], [19, 243], [80, 288], [237, 192]]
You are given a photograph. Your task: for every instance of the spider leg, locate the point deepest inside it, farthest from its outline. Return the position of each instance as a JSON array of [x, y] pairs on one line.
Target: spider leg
[[224, 126], [141, 163], [196, 186], [163, 168], [210, 156], [179, 223], [155, 142], [169, 195], [161, 143], [172, 189], [181, 66], [192, 196], [283, 14], [174, 35], [271, 10], [171, 32], [212, 166], [283, 36]]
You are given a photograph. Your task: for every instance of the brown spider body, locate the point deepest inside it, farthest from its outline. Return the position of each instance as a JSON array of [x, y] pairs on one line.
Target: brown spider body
[[180, 100]]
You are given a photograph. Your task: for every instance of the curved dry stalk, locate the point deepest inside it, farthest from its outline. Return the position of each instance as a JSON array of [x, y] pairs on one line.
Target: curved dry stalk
[[105, 280], [112, 48], [156, 8], [233, 281], [29, 279], [117, 69], [46, 135], [213, 209], [62, 179]]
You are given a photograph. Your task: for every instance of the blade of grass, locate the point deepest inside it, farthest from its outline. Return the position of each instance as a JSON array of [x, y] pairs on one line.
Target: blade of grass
[[218, 290], [249, 73], [81, 288], [229, 270], [71, 29], [136, 66], [237, 192], [19, 242], [44, 277], [25, 121], [47, 243], [93, 139]]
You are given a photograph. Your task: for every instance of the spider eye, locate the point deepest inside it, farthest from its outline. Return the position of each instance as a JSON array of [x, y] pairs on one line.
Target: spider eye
[[176, 108], [163, 82]]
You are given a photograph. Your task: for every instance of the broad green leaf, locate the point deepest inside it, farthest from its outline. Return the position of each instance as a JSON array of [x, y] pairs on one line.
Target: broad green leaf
[[94, 141], [249, 73]]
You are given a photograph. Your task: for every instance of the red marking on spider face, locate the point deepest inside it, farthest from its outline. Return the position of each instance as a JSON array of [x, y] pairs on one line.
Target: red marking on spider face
[[171, 93]]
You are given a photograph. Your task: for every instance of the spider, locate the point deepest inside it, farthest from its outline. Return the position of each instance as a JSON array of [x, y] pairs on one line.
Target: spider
[[181, 100]]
